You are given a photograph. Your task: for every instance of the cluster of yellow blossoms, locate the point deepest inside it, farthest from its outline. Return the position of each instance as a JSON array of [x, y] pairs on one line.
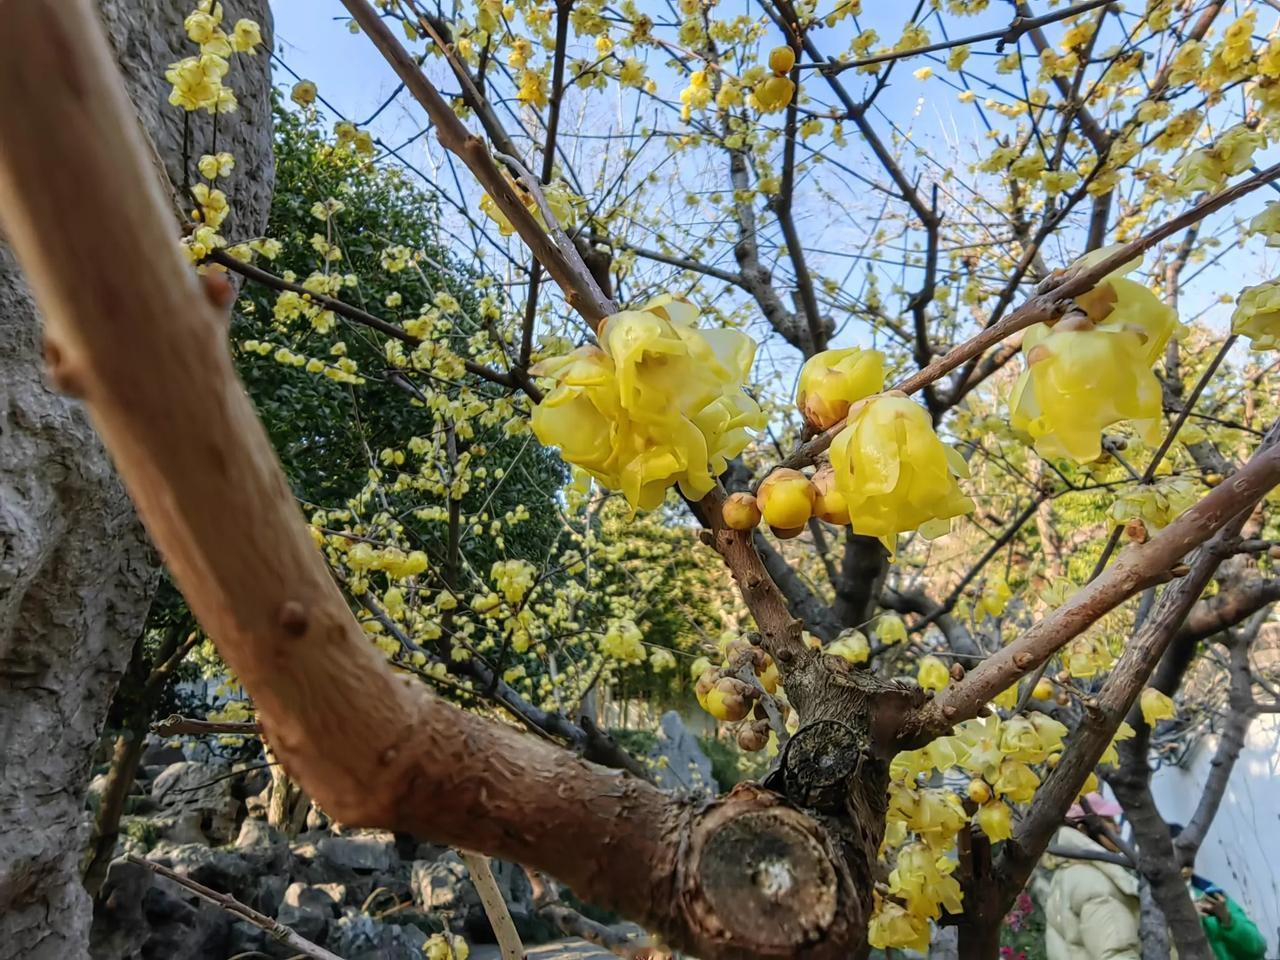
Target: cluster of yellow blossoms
[[889, 473], [1093, 368], [660, 401], [776, 92], [999, 756], [197, 81]]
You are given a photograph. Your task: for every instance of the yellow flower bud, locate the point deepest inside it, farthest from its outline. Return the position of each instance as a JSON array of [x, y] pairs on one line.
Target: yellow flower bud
[[978, 791], [933, 674], [1043, 689], [782, 59], [774, 94], [741, 512], [727, 700], [828, 502], [832, 380], [786, 499]]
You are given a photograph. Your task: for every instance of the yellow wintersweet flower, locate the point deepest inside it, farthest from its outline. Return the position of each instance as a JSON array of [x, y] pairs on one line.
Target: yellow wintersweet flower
[[1017, 781], [979, 741], [1110, 756], [894, 472], [774, 94], [533, 89], [214, 165], [213, 205], [890, 629], [661, 403], [851, 645], [996, 820], [1157, 505], [1268, 223], [1083, 377], [833, 380], [1257, 315], [923, 880], [197, 84], [303, 93], [933, 674], [246, 36], [994, 598], [1155, 706], [893, 926]]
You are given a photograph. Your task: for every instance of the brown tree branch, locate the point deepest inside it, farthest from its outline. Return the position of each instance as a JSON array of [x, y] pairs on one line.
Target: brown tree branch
[[567, 269], [277, 930], [371, 747], [1138, 567], [1051, 301], [176, 726]]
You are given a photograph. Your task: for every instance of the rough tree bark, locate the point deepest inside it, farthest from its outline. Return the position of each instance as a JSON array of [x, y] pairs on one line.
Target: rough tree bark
[[76, 571], [139, 691]]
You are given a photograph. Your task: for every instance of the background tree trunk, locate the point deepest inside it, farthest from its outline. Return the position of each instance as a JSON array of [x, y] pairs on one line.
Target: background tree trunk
[[76, 570]]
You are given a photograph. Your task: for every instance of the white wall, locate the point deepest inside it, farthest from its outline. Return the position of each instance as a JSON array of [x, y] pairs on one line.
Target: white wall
[[1242, 852]]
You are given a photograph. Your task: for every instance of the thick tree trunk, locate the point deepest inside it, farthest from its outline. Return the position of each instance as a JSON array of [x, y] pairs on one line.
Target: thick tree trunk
[[1159, 865], [125, 756], [1153, 930], [76, 570]]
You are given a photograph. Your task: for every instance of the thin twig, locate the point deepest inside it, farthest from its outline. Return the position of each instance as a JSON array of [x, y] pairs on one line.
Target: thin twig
[[277, 930], [1006, 35]]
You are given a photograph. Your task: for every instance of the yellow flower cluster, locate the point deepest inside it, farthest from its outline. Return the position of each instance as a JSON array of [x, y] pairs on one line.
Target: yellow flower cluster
[[661, 401], [723, 693], [446, 946], [623, 641], [562, 201], [1209, 168], [515, 578], [1257, 315], [197, 81], [1090, 371], [776, 91], [923, 823], [894, 472]]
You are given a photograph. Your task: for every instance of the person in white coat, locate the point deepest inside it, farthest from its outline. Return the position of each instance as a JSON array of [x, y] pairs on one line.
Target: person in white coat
[[1091, 908]]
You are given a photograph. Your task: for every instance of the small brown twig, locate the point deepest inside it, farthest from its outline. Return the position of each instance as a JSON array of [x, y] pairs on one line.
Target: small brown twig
[[177, 726], [1051, 299], [568, 270], [233, 906]]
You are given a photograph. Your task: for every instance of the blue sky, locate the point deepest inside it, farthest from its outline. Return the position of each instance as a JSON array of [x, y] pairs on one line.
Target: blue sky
[[312, 39]]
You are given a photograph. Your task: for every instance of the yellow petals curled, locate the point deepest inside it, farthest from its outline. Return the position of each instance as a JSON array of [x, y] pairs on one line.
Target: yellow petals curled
[[833, 380], [661, 401], [894, 472]]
